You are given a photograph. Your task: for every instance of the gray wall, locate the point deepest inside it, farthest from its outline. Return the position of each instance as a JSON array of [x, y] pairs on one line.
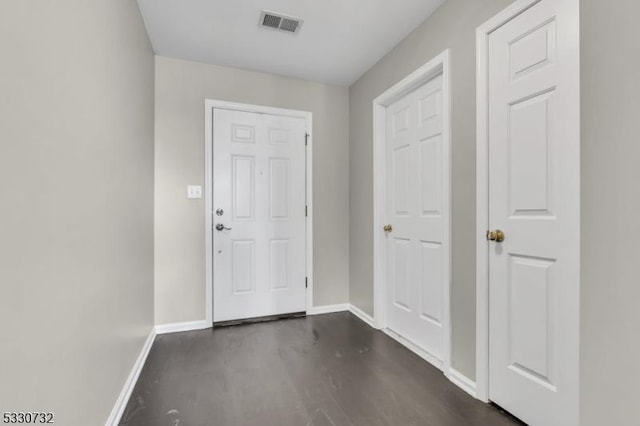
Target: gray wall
[[76, 211], [610, 342], [181, 88], [452, 26]]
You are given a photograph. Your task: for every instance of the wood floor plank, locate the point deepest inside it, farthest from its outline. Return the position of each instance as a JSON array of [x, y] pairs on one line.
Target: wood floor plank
[[327, 370]]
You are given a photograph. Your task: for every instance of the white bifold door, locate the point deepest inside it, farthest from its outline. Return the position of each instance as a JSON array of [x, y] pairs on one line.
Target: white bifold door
[[416, 211], [534, 201], [259, 243]]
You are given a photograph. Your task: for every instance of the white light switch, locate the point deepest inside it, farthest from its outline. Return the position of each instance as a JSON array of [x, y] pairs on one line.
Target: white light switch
[[194, 191]]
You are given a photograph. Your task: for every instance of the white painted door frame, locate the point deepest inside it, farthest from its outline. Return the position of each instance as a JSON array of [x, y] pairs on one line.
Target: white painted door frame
[[482, 189], [209, 105], [437, 66]]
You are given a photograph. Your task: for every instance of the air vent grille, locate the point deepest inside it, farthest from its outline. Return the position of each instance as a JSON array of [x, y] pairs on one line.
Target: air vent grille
[[271, 21], [289, 25], [280, 22]]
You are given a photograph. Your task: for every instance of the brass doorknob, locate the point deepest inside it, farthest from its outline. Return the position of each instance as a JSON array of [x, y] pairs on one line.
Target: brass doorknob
[[388, 228], [497, 236]]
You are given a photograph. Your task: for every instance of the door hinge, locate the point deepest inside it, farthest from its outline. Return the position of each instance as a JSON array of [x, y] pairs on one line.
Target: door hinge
[[306, 139], [306, 282], [306, 211]]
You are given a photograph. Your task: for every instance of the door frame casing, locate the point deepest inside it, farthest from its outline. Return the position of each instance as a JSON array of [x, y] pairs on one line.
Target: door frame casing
[[209, 106], [440, 65], [482, 189]]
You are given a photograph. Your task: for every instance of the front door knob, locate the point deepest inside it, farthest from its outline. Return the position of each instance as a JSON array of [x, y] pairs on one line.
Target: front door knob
[[388, 228], [221, 227], [497, 236]]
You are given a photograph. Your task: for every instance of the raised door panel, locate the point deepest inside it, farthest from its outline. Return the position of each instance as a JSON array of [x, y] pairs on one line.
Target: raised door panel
[[530, 317], [400, 122], [243, 266], [279, 188], [533, 50], [279, 264], [243, 133], [431, 277], [401, 181], [429, 108], [431, 163], [278, 136], [243, 187], [401, 273], [531, 160]]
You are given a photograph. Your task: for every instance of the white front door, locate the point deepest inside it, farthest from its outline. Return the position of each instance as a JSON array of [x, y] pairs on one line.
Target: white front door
[[417, 211], [258, 215], [534, 198]]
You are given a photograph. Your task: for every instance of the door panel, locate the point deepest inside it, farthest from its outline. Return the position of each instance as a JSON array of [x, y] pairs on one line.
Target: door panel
[[279, 188], [279, 256], [243, 264], [431, 174], [416, 192], [243, 189], [534, 168], [531, 334], [402, 262], [529, 178], [259, 185], [431, 289]]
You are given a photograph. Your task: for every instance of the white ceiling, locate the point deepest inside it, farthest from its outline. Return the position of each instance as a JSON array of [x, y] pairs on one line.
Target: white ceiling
[[338, 42]]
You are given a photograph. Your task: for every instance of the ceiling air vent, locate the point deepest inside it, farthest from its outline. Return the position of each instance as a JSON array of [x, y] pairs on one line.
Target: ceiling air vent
[[280, 22]]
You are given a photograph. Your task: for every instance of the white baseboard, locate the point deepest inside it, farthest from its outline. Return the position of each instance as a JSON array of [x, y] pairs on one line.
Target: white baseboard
[[177, 327], [362, 315], [127, 389], [328, 309], [414, 348], [462, 381]]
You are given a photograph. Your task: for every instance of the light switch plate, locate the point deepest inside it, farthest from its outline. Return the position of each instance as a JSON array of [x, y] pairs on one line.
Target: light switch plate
[[194, 191]]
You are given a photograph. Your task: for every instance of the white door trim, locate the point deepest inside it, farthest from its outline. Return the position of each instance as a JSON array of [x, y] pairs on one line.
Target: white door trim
[[482, 189], [438, 65], [209, 105]]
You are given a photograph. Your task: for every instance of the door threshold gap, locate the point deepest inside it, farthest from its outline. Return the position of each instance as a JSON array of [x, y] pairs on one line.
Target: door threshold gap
[[257, 320]]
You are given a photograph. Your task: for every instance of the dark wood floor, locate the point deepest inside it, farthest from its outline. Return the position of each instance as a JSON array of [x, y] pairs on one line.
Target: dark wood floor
[[316, 371]]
